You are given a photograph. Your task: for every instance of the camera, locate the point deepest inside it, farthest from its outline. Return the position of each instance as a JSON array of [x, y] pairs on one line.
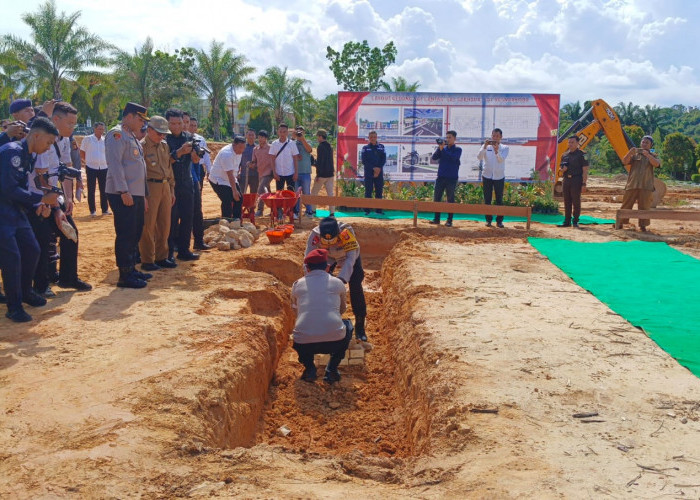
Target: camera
[[300, 134], [66, 171], [440, 141], [198, 149]]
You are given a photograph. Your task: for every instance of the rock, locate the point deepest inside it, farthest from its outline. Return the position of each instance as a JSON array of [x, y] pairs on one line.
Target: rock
[[284, 431], [236, 224], [367, 346], [223, 229], [334, 405], [223, 245]]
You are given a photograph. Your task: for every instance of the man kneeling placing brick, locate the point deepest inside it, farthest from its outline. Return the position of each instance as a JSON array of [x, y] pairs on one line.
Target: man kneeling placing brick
[[319, 299]]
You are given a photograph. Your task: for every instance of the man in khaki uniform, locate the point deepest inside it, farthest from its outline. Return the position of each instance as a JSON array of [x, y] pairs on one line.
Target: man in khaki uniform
[[640, 182], [153, 245]]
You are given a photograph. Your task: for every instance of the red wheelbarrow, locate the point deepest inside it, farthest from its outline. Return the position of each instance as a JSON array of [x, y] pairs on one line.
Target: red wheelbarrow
[[248, 207], [281, 204]]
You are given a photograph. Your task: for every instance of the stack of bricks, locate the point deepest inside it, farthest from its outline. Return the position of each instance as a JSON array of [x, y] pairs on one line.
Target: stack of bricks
[[354, 356]]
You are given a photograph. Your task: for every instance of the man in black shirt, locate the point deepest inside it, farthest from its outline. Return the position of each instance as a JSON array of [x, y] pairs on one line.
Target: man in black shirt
[[181, 158], [325, 172], [574, 167]]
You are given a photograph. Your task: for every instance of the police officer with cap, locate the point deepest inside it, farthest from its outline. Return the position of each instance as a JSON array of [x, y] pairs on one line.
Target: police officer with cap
[[126, 190], [344, 252], [19, 250], [23, 112]]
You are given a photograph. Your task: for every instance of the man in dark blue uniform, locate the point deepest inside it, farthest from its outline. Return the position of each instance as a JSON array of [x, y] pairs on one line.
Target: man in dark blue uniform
[[448, 156], [373, 159], [19, 250], [181, 154]]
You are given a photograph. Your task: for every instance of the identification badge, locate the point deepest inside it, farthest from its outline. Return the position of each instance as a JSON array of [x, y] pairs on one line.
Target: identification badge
[[348, 241]]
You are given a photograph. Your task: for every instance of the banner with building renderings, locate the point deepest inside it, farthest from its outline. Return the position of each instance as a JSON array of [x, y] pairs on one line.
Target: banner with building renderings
[[408, 124]]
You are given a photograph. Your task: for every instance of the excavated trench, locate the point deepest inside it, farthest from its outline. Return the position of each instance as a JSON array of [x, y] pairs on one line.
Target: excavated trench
[[393, 406]]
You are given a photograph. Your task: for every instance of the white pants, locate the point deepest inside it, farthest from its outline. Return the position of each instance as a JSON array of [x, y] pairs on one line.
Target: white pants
[[326, 182]]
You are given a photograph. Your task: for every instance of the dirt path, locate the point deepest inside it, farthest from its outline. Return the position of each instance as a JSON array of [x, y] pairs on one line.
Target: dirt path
[[163, 392]]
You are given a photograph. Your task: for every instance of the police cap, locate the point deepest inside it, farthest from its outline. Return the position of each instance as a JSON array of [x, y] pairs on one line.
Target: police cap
[[329, 228], [132, 107], [19, 104]]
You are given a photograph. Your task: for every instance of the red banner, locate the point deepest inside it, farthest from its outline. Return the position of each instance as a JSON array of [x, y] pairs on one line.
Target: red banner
[[408, 124]]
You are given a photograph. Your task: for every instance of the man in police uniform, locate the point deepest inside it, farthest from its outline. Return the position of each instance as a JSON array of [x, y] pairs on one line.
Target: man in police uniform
[[373, 160], [574, 167], [344, 251], [153, 245], [19, 250], [126, 190]]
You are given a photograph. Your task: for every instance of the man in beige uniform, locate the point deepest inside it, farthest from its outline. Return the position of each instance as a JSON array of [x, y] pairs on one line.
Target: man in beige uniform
[[640, 182], [153, 245]]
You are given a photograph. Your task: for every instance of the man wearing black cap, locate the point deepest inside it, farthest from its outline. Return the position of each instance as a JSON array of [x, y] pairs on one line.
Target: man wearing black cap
[[319, 300], [343, 251], [640, 182], [19, 250], [126, 190]]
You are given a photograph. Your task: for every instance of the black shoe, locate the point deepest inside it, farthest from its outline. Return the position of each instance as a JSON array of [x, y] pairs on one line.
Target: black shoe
[[367, 212], [500, 225], [564, 225], [575, 224], [131, 281], [166, 263], [379, 211], [448, 223], [309, 375], [47, 293], [188, 256], [488, 224], [33, 299], [361, 336], [150, 266], [77, 283], [18, 315], [141, 276], [202, 246], [54, 278], [331, 376], [434, 222]]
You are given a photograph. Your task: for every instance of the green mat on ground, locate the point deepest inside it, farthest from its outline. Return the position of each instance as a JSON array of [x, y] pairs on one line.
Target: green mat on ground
[[396, 214], [651, 285]]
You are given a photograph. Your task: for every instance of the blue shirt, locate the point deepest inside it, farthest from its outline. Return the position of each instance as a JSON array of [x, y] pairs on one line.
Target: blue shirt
[[15, 197], [448, 166], [373, 156]]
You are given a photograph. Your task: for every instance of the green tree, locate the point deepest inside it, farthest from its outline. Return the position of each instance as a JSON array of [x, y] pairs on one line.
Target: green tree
[[213, 73], [614, 164], [359, 67], [399, 84], [96, 97], [629, 114], [678, 157], [277, 94], [60, 50], [327, 113], [568, 114], [652, 119]]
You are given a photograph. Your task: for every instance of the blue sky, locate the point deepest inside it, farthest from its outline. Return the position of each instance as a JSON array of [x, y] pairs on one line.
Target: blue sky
[[642, 51]]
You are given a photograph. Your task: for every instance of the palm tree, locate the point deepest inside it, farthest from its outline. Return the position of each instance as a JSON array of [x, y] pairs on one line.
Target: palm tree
[[399, 84], [571, 112], [326, 115], [133, 73], [60, 49], [277, 94], [213, 73], [629, 114], [652, 118]]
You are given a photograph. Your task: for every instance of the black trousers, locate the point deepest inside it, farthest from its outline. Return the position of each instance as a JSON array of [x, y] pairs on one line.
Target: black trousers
[[443, 185], [19, 253], [128, 224], [68, 251], [375, 184], [572, 198], [197, 216], [43, 232], [357, 293], [99, 177], [335, 348], [230, 208], [490, 186], [181, 219], [285, 179]]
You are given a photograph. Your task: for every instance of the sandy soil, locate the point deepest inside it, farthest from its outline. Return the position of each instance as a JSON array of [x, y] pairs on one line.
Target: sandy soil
[[483, 352]]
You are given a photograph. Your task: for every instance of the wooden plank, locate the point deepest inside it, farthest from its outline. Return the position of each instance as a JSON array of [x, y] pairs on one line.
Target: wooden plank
[[348, 201], [475, 209], [657, 214]]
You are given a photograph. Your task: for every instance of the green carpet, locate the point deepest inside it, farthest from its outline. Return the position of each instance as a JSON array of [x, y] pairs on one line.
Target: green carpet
[[651, 285], [396, 214]]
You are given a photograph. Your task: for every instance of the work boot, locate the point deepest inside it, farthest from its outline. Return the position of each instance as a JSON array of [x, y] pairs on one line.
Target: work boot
[[140, 275], [360, 328], [309, 374], [33, 299], [128, 280], [331, 376], [18, 315]]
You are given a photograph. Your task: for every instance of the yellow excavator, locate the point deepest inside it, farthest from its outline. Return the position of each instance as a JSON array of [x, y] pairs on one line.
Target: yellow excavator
[[605, 120]]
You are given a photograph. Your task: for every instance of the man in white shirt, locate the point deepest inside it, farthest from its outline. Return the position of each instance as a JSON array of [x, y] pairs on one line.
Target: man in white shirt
[[493, 177], [223, 178], [320, 300], [92, 152], [286, 156]]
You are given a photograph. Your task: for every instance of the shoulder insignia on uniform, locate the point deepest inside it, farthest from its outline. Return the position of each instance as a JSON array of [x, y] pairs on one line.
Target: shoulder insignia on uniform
[[316, 240], [117, 135], [348, 241], [16, 161]]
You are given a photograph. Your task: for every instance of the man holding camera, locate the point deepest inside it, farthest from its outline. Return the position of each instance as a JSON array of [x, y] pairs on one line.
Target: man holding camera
[[303, 168], [19, 250], [126, 191], [373, 159], [182, 156], [493, 177], [574, 168], [640, 181], [449, 157]]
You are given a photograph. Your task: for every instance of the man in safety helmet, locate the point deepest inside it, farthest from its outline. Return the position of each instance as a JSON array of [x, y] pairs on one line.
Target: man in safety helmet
[[343, 253]]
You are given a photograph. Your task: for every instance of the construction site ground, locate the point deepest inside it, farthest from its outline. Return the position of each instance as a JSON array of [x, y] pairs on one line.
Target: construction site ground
[[483, 352]]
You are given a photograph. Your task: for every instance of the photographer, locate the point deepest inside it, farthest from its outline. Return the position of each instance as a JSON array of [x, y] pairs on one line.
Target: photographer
[[448, 172], [22, 112], [19, 250], [640, 182], [56, 167], [373, 159], [493, 177], [181, 158], [303, 168]]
